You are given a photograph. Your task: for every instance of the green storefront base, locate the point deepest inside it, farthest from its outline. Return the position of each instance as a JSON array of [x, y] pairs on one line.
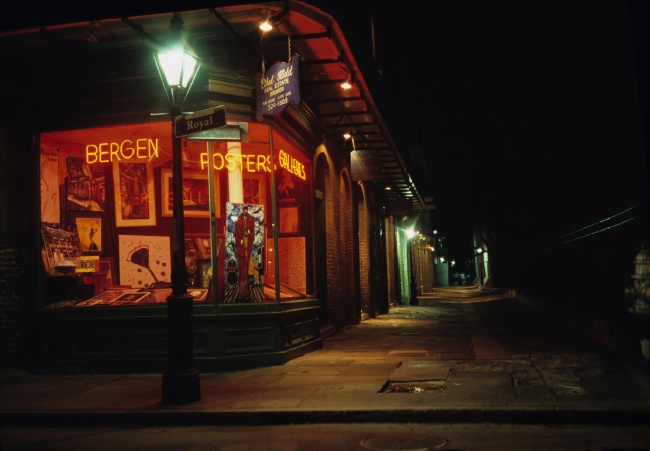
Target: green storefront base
[[134, 339]]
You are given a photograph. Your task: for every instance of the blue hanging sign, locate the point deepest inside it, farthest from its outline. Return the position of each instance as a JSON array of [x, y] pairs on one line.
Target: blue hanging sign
[[277, 88]]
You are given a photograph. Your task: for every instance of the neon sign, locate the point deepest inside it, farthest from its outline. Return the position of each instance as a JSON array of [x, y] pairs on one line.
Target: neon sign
[[234, 162], [140, 149], [292, 165], [148, 148], [253, 163]]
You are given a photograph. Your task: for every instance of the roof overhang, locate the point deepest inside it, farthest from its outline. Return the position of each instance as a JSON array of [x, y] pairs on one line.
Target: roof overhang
[[325, 61]]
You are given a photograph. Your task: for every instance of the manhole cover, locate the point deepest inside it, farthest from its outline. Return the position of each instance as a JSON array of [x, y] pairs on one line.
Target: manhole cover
[[418, 443], [414, 386]]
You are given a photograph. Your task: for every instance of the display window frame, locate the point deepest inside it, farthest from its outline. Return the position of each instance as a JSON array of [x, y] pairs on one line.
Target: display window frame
[[292, 208]]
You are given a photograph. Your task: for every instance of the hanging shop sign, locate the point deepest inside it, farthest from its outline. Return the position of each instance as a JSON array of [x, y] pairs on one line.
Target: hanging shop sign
[[277, 87], [365, 164]]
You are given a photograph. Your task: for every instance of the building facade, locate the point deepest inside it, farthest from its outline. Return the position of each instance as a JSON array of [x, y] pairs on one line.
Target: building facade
[[288, 227]]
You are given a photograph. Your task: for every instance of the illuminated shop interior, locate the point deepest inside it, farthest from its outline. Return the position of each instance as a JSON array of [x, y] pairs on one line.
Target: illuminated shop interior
[[107, 207]]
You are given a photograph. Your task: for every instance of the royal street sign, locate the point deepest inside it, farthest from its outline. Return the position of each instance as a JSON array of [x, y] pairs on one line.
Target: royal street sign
[[189, 124]]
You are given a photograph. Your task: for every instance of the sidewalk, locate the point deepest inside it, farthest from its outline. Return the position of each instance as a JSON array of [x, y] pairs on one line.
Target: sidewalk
[[459, 356]]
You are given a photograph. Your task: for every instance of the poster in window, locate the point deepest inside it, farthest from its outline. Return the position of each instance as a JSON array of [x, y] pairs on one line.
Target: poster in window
[[61, 245], [254, 189], [85, 185], [244, 258], [89, 228], [289, 220], [134, 194], [287, 189], [50, 202]]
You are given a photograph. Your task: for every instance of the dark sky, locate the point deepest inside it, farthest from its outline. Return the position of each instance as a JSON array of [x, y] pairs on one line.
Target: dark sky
[[526, 111], [529, 113]]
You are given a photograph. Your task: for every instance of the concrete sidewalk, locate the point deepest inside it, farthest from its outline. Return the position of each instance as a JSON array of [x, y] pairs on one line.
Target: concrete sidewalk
[[459, 356]]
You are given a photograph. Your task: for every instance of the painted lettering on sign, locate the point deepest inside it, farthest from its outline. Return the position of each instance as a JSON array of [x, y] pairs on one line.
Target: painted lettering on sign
[[106, 152], [197, 126], [277, 88]]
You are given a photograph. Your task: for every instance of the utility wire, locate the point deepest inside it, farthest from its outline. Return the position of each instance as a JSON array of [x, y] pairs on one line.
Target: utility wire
[[583, 232]]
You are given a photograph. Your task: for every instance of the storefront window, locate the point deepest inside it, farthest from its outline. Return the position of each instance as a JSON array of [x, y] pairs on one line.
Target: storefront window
[[107, 210]]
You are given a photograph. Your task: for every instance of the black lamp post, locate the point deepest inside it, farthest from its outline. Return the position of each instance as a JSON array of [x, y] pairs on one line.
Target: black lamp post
[[178, 67]]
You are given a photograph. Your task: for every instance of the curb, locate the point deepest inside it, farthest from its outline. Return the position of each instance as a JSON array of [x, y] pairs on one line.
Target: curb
[[546, 416]]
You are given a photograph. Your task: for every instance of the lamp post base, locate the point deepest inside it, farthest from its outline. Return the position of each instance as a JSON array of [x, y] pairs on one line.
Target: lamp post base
[[180, 384], [181, 388]]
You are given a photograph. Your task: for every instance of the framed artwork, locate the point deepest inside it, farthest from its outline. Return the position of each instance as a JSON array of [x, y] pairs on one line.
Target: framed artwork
[[90, 232], [199, 294], [196, 194], [254, 187], [244, 258], [144, 260], [107, 265], [50, 201], [135, 204], [85, 185], [287, 189], [87, 263], [289, 220], [61, 245], [131, 297], [200, 244]]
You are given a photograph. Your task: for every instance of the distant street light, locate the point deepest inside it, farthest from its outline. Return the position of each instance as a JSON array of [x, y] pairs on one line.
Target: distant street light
[[410, 234]]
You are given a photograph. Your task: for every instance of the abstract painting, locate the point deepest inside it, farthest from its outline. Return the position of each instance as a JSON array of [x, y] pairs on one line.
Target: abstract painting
[[144, 260]]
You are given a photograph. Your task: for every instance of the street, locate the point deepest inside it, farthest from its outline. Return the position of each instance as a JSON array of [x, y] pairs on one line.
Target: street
[[340, 437]]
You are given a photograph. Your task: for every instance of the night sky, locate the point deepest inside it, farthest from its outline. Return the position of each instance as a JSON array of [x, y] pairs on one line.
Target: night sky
[[527, 113]]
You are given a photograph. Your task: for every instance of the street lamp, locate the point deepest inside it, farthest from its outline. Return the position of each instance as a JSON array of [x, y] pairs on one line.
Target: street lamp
[[178, 66]]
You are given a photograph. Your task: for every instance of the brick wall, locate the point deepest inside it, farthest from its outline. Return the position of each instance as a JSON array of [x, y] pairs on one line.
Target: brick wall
[[17, 285], [347, 218]]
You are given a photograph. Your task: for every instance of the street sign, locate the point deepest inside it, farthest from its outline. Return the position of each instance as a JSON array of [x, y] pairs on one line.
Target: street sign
[[232, 132], [188, 124]]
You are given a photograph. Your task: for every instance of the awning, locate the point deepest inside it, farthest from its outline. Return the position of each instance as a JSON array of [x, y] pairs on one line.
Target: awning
[[325, 62]]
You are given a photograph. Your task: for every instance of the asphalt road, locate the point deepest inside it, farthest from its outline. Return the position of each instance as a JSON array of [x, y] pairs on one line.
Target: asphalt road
[[339, 437]]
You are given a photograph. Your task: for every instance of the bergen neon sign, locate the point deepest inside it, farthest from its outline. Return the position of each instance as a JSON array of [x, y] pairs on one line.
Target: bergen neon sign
[[253, 163], [106, 152]]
